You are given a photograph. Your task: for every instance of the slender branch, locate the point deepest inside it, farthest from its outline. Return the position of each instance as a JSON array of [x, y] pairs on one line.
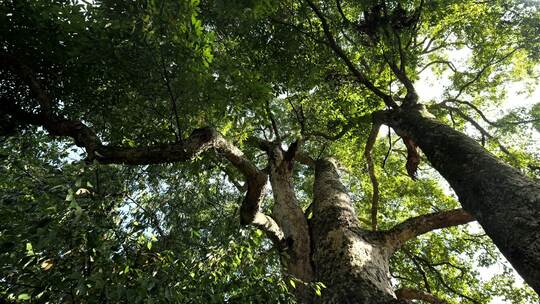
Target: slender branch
[[230, 176], [299, 117], [330, 137], [484, 117], [300, 30], [445, 62], [171, 95], [411, 97], [441, 279], [414, 294], [491, 62], [153, 216], [273, 121], [340, 10], [305, 159], [421, 270], [482, 131], [413, 227], [390, 146], [344, 128], [371, 170], [350, 65]]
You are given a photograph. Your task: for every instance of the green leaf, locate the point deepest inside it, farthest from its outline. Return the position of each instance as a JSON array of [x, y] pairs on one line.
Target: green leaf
[[29, 249]]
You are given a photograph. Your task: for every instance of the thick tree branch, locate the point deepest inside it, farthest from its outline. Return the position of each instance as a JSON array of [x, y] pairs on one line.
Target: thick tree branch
[[199, 141], [413, 227], [414, 294]]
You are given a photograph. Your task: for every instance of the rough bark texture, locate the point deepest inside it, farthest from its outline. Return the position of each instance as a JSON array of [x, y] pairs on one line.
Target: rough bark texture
[[289, 216], [351, 262], [505, 202]]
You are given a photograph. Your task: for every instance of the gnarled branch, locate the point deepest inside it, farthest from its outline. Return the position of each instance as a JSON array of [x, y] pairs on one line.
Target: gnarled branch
[[199, 141]]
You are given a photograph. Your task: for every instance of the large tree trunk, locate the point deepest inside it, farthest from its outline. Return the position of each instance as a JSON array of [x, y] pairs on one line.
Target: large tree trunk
[[351, 262], [505, 202]]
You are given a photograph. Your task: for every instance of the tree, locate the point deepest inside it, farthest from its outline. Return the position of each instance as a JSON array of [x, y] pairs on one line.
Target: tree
[[174, 103]]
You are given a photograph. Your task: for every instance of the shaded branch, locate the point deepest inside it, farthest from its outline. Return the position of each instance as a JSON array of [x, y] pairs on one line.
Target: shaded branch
[[445, 62], [153, 216], [330, 137], [414, 294], [411, 97], [230, 176], [171, 95], [273, 121], [371, 171], [413, 227], [390, 147]]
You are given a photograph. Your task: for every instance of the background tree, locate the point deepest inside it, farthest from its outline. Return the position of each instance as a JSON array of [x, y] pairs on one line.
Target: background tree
[[290, 94]]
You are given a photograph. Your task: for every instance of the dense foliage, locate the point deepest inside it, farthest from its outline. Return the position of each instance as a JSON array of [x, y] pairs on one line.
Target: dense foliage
[[150, 72]]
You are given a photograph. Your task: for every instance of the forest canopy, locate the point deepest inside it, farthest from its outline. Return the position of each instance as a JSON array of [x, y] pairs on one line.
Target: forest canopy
[[296, 151]]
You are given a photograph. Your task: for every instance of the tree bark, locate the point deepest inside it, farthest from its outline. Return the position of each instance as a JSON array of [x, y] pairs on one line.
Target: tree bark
[[353, 263], [503, 200], [286, 211]]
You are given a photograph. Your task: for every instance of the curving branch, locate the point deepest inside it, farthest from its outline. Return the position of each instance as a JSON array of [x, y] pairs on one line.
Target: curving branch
[[415, 226], [198, 142], [172, 96], [484, 117], [414, 294], [445, 62]]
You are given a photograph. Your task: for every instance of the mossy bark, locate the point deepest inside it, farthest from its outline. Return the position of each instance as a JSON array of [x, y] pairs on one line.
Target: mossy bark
[[353, 263]]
